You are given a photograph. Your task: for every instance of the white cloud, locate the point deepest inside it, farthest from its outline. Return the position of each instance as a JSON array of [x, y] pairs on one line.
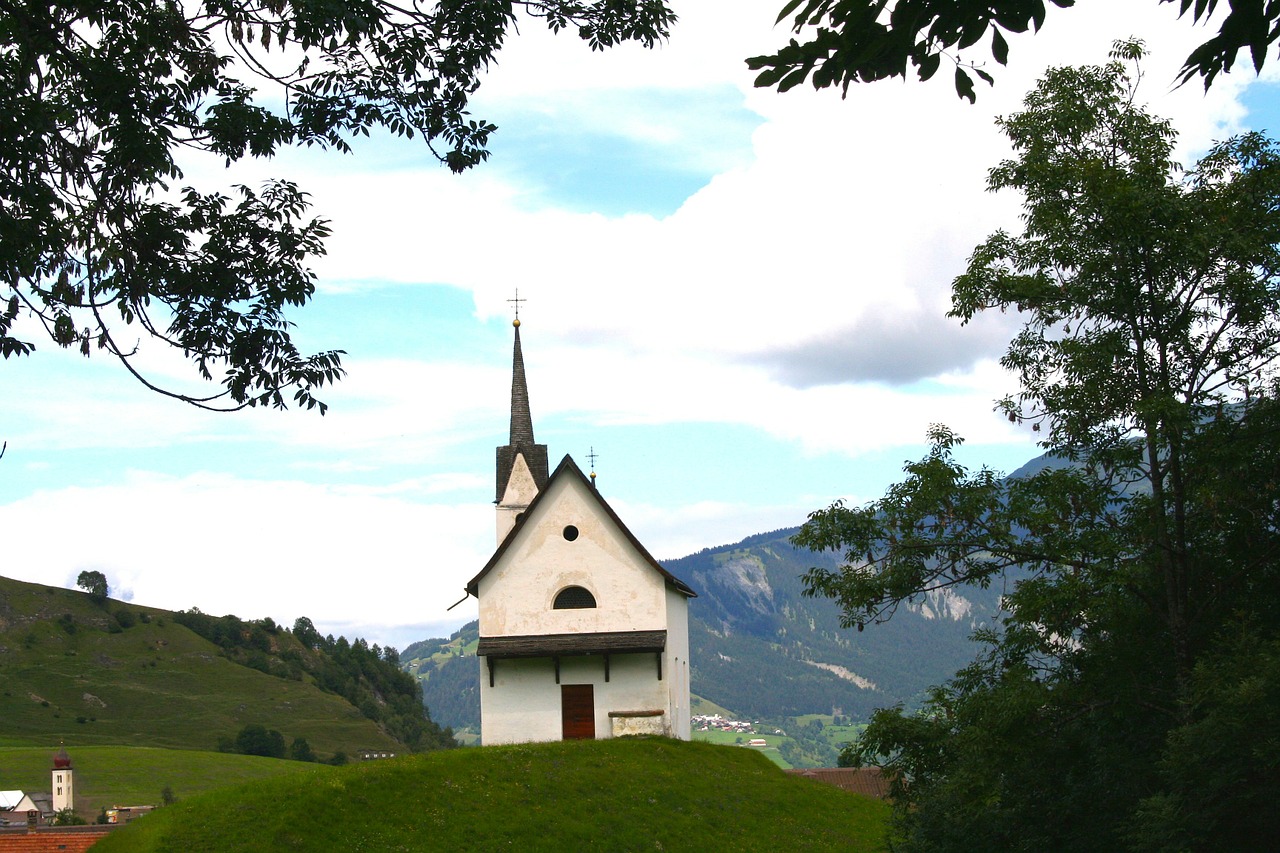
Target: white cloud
[[851, 209], [671, 532], [257, 548]]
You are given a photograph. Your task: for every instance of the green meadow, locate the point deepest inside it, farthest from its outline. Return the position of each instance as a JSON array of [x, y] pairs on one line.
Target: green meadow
[[612, 795]]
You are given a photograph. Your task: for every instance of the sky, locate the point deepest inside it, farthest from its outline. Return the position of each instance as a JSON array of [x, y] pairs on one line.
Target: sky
[[735, 298]]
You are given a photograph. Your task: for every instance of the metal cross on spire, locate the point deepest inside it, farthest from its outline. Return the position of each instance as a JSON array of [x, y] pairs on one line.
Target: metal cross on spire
[[516, 301]]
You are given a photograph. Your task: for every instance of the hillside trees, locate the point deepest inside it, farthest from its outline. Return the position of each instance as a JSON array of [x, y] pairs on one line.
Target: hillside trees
[[851, 41], [103, 246], [1141, 570], [369, 677], [257, 739]]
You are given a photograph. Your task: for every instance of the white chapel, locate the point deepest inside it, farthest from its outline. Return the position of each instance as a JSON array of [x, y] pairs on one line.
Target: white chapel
[[582, 633]]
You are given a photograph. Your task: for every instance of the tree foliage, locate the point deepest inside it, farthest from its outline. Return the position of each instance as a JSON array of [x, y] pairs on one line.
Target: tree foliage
[[257, 739], [1140, 568], [103, 245], [300, 750], [850, 41], [94, 583], [67, 817]]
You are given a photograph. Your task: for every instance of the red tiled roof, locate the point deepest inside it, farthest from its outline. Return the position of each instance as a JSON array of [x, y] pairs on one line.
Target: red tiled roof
[[56, 839], [868, 781]]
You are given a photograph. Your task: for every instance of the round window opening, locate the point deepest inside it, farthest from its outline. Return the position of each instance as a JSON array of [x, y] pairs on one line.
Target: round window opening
[[570, 533]]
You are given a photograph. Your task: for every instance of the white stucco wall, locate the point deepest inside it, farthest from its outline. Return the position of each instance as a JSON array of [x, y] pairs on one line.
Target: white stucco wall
[[676, 665], [524, 703], [517, 594]]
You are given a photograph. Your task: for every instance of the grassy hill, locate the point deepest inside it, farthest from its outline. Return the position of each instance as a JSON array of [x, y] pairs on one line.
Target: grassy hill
[[621, 794], [96, 673]]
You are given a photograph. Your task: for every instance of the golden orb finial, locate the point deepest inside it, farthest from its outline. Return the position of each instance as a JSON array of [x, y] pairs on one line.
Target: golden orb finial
[[516, 322]]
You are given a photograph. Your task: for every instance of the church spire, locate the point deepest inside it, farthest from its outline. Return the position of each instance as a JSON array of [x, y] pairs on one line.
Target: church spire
[[521, 463], [521, 419]]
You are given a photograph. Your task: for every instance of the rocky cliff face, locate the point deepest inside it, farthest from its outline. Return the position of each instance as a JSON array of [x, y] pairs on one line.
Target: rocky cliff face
[[763, 649]]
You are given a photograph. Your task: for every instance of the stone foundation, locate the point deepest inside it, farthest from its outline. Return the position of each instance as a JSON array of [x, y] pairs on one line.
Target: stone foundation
[[639, 723]]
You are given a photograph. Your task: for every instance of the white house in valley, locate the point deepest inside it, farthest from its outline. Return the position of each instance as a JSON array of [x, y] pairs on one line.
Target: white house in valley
[[582, 633]]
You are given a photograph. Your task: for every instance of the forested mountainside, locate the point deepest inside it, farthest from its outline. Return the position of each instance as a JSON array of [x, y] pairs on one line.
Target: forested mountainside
[[449, 673]]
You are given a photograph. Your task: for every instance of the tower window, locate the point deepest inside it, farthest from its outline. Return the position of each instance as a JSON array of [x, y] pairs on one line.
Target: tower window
[[570, 534], [574, 598]]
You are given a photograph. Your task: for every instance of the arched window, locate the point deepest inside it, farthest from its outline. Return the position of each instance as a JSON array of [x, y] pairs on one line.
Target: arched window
[[574, 598]]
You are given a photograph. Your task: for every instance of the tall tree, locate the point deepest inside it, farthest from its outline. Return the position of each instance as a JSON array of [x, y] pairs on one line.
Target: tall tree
[[1149, 362], [100, 241], [852, 41]]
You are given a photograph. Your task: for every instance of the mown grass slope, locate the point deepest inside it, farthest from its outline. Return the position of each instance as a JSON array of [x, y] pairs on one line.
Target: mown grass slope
[[109, 776], [611, 795], [70, 672]]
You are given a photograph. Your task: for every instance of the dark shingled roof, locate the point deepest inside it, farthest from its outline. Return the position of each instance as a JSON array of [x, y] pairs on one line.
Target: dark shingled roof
[[588, 643]]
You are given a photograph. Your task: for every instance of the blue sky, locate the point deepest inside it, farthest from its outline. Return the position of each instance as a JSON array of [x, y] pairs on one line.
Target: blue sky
[[736, 298]]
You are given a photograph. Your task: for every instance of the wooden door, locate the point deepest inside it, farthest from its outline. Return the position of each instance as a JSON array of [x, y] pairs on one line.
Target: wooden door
[[577, 711]]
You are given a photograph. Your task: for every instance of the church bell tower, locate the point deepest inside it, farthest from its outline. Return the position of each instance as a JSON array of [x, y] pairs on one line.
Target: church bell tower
[[63, 781]]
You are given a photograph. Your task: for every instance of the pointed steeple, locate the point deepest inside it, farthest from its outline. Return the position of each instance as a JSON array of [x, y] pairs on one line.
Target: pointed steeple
[[521, 419], [521, 441]]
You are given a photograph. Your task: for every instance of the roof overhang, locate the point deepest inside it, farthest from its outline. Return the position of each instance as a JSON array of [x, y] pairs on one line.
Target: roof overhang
[[559, 645]]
